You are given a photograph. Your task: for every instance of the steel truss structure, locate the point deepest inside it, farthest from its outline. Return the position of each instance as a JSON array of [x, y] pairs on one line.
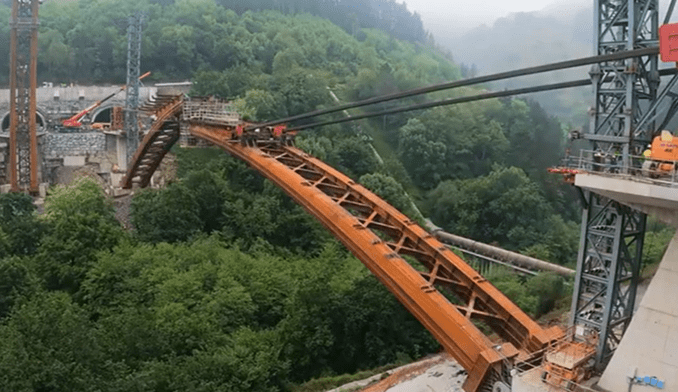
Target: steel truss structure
[[612, 235], [443, 292], [608, 267], [132, 90], [623, 89], [23, 139]]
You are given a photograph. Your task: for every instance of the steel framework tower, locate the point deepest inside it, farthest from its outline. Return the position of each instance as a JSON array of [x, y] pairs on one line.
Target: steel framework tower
[[132, 90], [611, 244], [23, 139]]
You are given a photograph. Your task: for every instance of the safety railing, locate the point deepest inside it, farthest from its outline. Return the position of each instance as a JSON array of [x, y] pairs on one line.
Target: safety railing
[[637, 167], [210, 112]]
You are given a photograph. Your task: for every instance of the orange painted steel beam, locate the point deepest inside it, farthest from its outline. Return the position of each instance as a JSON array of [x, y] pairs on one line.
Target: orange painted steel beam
[[23, 140], [33, 103], [419, 270], [157, 142], [395, 249], [13, 115]]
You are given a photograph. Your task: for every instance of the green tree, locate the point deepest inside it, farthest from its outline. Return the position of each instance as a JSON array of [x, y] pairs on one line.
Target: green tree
[[390, 190], [22, 231], [16, 281], [423, 158], [504, 207], [548, 288], [513, 287], [655, 244], [55, 53], [536, 138], [168, 215], [354, 157], [82, 222], [209, 190], [50, 344]]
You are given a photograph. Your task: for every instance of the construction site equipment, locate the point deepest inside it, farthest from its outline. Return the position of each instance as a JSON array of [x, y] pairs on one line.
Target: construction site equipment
[[567, 362], [74, 121], [135, 23], [662, 156], [210, 111], [23, 139]]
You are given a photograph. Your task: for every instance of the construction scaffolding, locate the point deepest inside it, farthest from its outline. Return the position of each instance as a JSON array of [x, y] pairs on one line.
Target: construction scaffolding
[[132, 90], [611, 243], [211, 112], [23, 139]]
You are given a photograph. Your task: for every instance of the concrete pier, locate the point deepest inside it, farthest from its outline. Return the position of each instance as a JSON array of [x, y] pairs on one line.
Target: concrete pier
[[650, 345]]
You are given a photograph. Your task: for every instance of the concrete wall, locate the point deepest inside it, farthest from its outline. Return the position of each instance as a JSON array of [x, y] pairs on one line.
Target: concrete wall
[[73, 144], [650, 345], [90, 93]]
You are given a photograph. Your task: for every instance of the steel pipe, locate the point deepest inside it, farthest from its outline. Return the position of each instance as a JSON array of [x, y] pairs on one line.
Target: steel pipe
[[501, 254]]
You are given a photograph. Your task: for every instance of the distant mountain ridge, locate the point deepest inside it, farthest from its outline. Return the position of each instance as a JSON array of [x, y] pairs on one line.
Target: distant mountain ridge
[[528, 39]]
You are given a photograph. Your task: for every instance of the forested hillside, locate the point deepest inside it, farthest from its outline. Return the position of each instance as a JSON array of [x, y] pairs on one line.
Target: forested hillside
[[224, 284], [85, 41]]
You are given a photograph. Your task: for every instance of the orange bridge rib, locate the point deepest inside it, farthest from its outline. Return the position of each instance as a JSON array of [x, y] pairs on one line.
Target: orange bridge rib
[[410, 262], [158, 141], [391, 245]]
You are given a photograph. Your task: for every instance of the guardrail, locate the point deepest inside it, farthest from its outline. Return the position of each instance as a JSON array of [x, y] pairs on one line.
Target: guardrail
[[210, 112], [637, 167]]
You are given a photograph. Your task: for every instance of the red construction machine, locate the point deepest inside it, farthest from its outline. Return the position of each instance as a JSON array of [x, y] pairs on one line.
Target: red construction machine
[[74, 122]]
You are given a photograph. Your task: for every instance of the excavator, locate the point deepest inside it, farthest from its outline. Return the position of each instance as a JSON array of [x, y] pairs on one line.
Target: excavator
[[74, 122]]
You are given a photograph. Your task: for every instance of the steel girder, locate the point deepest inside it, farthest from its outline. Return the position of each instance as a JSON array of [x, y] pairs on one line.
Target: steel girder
[[23, 140], [132, 89], [159, 139]]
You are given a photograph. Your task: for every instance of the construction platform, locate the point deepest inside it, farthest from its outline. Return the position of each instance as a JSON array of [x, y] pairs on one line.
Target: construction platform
[[647, 357], [657, 197]]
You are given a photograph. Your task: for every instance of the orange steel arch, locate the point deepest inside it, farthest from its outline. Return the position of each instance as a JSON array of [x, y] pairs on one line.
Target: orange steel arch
[[443, 292], [164, 132]]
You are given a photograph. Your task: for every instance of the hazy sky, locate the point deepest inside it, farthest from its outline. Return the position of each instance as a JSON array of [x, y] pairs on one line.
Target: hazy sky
[[459, 16]]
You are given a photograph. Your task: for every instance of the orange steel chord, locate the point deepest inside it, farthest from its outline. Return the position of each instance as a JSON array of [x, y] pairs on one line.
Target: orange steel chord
[[410, 262], [157, 142], [443, 292]]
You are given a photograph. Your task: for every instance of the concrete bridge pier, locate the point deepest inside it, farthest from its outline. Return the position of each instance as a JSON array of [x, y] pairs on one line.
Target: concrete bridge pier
[[650, 345]]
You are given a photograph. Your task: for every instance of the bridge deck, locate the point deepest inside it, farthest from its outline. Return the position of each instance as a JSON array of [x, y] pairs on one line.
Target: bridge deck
[[659, 198]]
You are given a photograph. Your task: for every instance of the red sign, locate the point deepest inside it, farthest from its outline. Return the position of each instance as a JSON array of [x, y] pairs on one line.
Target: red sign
[[668, 42]]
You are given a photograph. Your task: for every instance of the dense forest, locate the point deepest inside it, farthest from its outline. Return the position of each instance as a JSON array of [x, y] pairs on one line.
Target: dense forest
[[223, 283], [85, 41]]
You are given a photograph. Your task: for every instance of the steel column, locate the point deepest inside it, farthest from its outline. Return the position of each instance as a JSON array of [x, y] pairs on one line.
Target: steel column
[[132, 90], [612, 235], [23, 142], [608, 267]]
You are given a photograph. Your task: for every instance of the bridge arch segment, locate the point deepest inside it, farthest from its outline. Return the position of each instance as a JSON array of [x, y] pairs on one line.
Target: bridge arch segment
[[443, 292]]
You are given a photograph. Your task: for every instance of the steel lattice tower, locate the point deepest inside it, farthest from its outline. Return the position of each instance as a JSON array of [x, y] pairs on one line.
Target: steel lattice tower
[[23, 142], [132, 90], [611, 244]]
